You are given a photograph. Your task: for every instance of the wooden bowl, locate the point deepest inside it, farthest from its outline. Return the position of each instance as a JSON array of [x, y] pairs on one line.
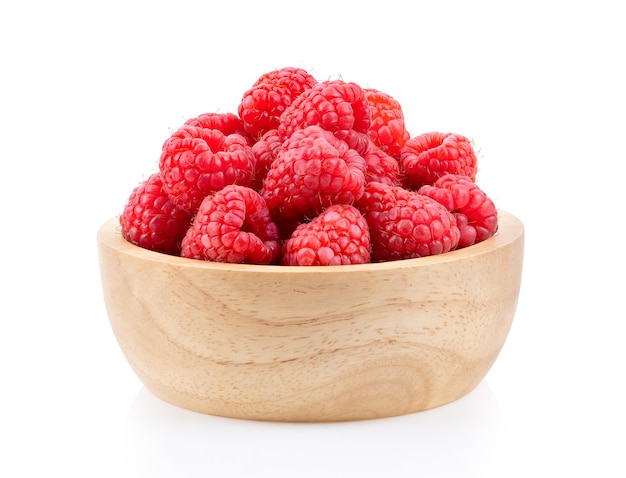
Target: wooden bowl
[[312, 343]]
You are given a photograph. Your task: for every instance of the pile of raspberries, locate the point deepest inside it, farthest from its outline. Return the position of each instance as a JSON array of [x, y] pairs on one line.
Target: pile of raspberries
[[309, 172]]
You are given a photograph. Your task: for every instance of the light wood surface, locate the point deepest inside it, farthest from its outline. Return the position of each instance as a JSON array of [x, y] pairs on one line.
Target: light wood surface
[[312, 343]]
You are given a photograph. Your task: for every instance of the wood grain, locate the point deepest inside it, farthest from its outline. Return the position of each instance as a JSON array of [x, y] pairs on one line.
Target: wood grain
[[312, 343]]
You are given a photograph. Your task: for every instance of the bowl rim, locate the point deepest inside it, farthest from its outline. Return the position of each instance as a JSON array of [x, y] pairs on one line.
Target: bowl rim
[[510, 229]]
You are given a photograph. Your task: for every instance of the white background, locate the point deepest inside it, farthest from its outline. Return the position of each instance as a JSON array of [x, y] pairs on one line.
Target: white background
[[89, 91]]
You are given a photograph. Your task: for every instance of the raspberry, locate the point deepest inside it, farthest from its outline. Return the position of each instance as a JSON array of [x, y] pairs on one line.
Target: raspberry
[[233, 225], [381, 167], [261, 106], [427, 157], [476, 214], [339, 235], [265, 151], [404, 224], [198, 161], [335, 106], [387, 130], [312, 171], [151, 220], [327, 169], [227, 123]]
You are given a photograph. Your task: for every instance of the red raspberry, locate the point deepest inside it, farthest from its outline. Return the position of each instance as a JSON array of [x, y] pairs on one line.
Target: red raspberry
[[427, 157], [227, 123], [388, 130], [312, 171], [476, 214], [233, 225], [265, 151], [339, 235], [381, 167], [198, 161], [261, 106], [404, 224], [335, 106], [151, 220]]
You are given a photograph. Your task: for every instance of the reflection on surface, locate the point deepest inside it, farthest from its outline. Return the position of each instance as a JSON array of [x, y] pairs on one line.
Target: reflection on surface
[[460, 439]]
